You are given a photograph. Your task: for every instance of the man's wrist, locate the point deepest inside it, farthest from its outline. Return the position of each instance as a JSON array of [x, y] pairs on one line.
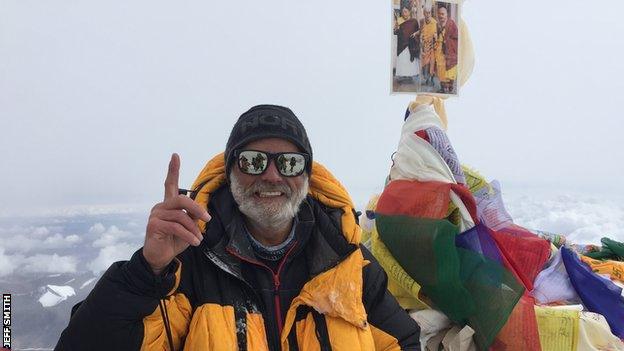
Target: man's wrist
[[155, 269], [167, 270], [143, 278]]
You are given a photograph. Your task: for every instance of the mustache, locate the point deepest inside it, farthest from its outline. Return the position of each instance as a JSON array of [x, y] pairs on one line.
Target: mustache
[[263, 186]]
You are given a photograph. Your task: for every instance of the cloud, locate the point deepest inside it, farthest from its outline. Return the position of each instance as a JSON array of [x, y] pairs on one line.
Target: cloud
[[33, 249], [72, 238], [96, 210], [58, 241], [7, 263], [110, 254], [60, 214], [113, 236], [582, 219], [49, 264], [97, 228], [40, 232], [135, 224], [34, 231], [115, 245], [39, 263], [37, 247], [22, 243]]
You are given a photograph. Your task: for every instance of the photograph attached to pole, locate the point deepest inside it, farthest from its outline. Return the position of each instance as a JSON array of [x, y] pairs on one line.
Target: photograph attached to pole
[[425, 46]]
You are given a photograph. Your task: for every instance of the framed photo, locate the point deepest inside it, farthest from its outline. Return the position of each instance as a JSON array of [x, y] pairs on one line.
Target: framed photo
[[425, 46]]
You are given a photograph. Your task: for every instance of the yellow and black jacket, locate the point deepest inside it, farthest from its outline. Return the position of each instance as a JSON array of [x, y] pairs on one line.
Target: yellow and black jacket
[[327, 293]]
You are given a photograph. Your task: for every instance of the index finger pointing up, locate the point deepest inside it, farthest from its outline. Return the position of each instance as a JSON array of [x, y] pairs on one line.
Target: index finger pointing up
[[173, 176]]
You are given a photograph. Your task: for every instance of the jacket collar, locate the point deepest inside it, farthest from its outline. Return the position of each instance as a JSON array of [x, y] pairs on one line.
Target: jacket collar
[[316, 232]]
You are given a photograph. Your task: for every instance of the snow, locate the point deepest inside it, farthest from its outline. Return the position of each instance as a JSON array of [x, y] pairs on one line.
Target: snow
[[87, 283], [583, 219], [56, 294]]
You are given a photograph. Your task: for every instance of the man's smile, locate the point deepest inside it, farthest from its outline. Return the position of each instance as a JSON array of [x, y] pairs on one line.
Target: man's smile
[[268, 194]]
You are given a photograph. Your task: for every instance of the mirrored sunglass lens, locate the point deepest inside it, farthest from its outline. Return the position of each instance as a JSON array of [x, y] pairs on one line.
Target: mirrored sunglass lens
[[252, 162], [294, 164], [281, 163]]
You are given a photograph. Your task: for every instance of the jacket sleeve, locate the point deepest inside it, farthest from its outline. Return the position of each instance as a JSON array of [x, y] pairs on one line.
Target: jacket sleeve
[[392, 327], [122, 312]]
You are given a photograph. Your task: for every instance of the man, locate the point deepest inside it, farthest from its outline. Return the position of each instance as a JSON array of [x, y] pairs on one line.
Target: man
[[427, 40], [276, 265], [406, 30], [416, 9], [446, 51]]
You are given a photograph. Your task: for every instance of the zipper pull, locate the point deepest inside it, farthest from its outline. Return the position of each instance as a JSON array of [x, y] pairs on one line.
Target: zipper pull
[[276, 283]]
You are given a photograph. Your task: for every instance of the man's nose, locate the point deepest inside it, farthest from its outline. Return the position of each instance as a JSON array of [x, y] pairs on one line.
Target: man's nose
[[272, 174]]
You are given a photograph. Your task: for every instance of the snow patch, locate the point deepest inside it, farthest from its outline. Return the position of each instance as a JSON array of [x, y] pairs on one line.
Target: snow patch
[[55, 294], [87, 283]]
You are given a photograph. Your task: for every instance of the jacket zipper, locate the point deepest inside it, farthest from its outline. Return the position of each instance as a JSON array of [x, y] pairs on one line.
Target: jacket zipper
[[276, 282]]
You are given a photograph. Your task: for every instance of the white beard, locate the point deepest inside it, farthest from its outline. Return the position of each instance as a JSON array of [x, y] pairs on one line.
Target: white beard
[[275, 216]]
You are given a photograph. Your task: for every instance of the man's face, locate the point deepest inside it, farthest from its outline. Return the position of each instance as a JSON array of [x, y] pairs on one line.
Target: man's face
[[442, 15], [427, 16], [269, 198]]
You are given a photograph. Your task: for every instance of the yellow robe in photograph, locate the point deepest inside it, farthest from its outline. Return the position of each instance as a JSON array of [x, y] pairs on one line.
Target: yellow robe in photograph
[[428, 39]]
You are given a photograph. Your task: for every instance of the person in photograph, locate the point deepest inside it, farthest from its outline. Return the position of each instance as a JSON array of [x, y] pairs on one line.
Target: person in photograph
[[446, 50], [416, 7], [407, 31], [428, 34]]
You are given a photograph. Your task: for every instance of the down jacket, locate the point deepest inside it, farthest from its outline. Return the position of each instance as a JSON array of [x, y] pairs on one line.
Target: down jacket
[[327, 293]]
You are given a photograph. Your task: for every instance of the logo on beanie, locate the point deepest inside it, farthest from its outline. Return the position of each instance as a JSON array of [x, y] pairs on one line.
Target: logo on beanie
[[271, 121]]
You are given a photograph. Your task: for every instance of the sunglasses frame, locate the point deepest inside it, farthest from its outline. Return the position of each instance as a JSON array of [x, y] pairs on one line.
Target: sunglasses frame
[[272, 156]]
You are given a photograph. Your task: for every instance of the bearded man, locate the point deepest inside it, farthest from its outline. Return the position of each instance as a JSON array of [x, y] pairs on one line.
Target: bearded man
[[446, 51], [259, 258]]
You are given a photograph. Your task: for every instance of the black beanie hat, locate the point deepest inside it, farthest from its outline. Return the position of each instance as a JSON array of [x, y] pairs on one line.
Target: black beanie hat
[[267, 121]]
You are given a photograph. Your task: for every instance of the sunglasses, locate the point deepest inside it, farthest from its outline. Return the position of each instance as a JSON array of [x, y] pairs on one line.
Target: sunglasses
[[288, 164]]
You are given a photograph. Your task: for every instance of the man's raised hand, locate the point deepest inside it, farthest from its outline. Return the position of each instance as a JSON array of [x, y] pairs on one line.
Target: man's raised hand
[[172, 226]]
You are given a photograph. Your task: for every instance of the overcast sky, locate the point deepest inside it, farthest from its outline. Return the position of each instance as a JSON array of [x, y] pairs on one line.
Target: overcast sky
[[96, 95]]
